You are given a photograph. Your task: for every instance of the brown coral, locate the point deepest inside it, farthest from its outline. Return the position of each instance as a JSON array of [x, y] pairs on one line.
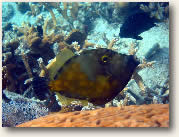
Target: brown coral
[[112, 42], [154, 115], [52, 14], [72, 6], [75, 35], [8, 82], [40, 45], [64, 11], [88, 44]]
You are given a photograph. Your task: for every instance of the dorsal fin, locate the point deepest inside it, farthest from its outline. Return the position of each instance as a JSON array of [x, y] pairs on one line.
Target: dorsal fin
[[57, 63]]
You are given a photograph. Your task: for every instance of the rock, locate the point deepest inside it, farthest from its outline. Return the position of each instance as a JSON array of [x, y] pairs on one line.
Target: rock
[[153, 115]]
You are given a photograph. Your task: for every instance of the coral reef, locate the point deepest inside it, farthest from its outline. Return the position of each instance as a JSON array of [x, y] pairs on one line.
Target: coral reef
[[35, 47], [19, 110], [37, 42], [129, 116], [34, 9], [13, 74]]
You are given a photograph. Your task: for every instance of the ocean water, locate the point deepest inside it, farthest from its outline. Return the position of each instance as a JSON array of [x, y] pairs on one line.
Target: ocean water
[[33, 34]]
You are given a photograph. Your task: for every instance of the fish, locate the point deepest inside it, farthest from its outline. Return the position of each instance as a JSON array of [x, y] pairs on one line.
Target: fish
[[96, 75], [135, 24]]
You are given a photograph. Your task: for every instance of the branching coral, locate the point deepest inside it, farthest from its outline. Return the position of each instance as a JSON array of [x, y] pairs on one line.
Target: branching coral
[[7, 80], [138, 79], [76, 41], [40, 45], [14, 75], [88, 44], [64, 10], [74, 9], [25, 60], [132, 49], [12, 45], [157, 10], [52, 14], [111, 44], [72, 6], [43, 68], [35, 9]]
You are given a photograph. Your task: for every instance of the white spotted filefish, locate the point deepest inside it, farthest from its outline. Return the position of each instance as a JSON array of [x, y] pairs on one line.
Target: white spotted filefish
[[96, 75]]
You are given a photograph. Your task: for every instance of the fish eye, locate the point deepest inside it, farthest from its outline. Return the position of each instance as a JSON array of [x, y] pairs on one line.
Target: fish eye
[[105, 58]]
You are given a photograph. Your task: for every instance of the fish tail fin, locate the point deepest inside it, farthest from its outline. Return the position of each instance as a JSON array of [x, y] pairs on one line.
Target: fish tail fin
[[138, 37]]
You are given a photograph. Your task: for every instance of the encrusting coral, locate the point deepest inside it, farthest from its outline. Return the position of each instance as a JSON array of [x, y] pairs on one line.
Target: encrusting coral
[[154, 115], [15, 112]]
